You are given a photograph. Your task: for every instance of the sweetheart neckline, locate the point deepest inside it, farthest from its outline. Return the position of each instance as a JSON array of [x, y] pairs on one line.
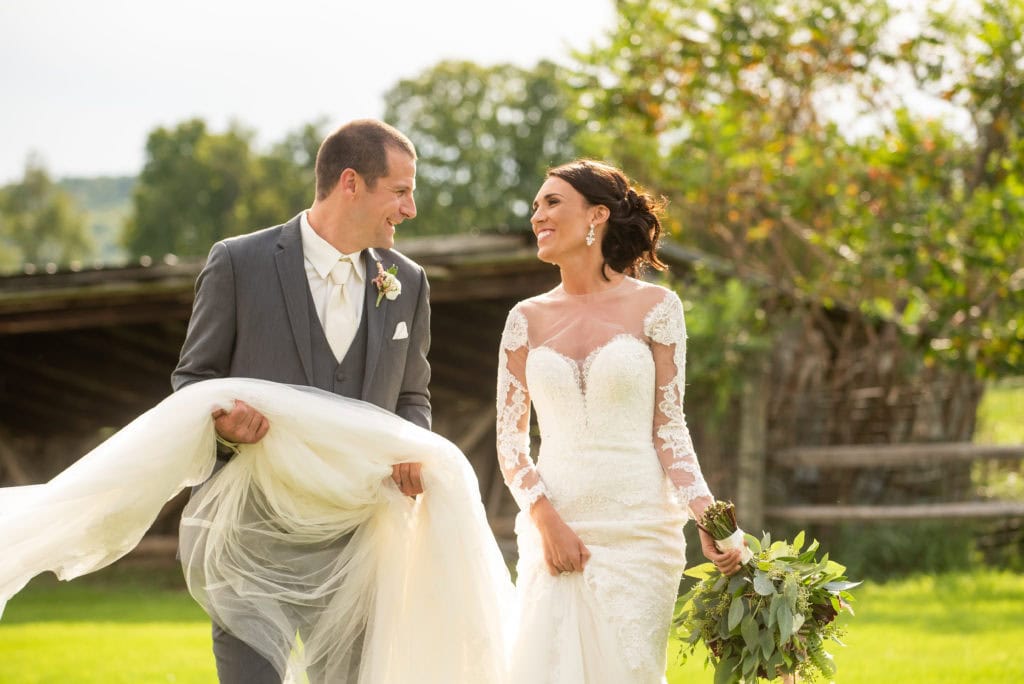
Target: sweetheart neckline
[[582, 372]]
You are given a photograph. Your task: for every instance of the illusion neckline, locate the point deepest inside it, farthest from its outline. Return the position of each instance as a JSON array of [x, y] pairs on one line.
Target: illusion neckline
[[590, 296]]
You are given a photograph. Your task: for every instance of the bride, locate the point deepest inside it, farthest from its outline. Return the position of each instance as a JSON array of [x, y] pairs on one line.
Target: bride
[[601, 357]]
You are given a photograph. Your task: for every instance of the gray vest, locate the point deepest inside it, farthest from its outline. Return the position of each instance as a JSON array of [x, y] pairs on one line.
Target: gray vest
[[345, 378]]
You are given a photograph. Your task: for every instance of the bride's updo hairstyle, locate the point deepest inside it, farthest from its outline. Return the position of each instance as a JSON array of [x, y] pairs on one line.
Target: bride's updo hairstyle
[[631, 238]]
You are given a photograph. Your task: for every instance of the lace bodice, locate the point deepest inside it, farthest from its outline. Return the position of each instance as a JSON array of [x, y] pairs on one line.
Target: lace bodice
[[606, 373]]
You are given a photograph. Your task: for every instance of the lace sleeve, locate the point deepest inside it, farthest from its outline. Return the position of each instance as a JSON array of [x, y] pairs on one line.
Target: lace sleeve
[[666, 328], [513, 410]]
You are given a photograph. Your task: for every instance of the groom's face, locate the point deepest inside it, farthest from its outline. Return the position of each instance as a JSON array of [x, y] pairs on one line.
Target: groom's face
[[389, 202]]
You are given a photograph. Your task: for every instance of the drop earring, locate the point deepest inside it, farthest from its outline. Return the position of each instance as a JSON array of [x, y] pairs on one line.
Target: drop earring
[[590, 235]]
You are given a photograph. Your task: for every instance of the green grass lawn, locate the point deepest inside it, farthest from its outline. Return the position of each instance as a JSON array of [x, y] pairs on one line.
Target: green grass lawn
[[1001, 413], [129, 623], [136, 624]]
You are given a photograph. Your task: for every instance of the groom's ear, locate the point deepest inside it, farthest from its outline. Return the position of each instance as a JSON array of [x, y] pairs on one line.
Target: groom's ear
[[349, 181]]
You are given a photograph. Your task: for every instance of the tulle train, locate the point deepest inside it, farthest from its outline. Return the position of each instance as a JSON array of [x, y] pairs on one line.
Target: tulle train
[[300, 546]]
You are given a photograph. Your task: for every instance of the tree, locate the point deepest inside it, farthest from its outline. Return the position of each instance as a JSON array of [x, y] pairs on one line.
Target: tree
[[485, 137], [285, 178], [966, 206], [785, 137], [188, 194], [39, 222], [198, 187]]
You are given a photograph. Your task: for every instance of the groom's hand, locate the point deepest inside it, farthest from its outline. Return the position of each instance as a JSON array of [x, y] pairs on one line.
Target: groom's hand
[[407, 477], [242, 424]]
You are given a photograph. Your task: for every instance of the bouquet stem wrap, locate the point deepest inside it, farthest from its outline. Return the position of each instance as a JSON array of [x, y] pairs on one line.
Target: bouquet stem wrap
[[735, 541]]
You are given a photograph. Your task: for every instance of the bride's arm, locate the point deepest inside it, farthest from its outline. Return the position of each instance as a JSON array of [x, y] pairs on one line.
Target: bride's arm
[[513, 415], [666, 328], [563, 550]]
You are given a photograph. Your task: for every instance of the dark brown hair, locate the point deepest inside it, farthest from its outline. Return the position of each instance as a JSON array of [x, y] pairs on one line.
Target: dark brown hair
[[362, 146], [630, 242]]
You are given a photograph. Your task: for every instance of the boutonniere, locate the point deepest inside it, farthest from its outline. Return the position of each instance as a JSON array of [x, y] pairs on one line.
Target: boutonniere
[[388, 284]]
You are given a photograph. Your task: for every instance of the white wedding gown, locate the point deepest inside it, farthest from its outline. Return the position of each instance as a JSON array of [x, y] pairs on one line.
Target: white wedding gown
[[425, 579], [605, 373]]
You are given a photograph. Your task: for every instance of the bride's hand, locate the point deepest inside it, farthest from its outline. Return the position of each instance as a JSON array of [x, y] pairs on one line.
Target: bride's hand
[[564, 551], [727, 562], [242, 424]]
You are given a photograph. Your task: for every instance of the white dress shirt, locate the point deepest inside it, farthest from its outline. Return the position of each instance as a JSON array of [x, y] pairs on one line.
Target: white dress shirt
[[320, 258]]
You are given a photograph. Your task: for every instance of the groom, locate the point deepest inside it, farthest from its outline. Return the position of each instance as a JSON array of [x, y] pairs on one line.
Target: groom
[[311, 302]]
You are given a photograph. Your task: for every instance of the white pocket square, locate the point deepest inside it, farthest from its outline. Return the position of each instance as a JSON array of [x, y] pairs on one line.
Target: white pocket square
[[401, 332]]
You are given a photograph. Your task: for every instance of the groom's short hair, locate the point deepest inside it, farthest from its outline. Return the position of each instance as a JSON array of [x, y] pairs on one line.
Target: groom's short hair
[[362, 146]]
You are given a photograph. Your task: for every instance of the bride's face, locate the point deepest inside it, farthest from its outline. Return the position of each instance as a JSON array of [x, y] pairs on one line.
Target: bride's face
[[560, 220]]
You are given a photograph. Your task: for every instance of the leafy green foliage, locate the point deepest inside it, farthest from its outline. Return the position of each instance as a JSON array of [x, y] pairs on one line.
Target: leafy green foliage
[[731, 107], [774, 616], [197, 187], [885, 550], [485, 137], [188, 190], [39, 223], [727, 330], [285, 178]]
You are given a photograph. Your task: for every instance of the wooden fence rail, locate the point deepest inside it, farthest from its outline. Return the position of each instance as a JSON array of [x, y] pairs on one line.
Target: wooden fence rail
[[833, 514], [894, 456]]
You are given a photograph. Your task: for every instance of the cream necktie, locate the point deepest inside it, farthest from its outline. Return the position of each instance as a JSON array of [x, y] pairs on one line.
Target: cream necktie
[[339, 318]]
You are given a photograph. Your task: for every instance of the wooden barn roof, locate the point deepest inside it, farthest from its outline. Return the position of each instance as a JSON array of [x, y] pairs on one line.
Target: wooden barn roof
[[88, 348], [92, 348], [82, 349]]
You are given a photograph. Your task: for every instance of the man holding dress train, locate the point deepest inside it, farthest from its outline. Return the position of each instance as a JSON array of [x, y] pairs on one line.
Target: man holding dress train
[[321, 301]]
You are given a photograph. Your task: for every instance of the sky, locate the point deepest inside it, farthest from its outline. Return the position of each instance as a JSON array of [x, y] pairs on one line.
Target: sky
[[83, 82]]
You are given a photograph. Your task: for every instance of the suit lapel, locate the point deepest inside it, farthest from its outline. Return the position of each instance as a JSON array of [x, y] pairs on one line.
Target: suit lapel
[[376, 320], [294, 284]]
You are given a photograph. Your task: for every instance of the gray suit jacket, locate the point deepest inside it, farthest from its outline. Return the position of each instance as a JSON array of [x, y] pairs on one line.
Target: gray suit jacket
[[251, 318]]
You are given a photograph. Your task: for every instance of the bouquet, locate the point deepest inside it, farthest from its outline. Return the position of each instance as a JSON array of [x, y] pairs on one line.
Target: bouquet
[[773, 617]]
